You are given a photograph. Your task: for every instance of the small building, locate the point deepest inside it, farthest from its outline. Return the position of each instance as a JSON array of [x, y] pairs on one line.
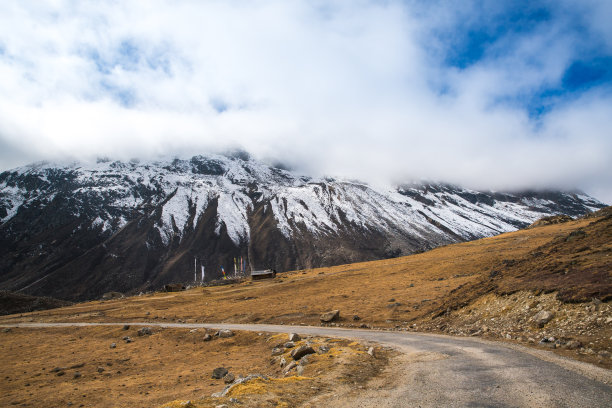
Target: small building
[[267, 274], [174, 287]]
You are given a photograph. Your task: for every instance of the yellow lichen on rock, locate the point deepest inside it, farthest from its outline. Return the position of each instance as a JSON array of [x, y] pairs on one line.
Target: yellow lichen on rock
[[255, 386], [180, 404], [262, 386], [290, 379]]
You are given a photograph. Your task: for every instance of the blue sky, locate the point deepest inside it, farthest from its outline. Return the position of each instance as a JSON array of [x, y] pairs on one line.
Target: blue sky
[[487, 94]]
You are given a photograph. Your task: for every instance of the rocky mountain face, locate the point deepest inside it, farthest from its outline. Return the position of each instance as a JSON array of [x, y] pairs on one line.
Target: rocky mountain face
[[75, 231]]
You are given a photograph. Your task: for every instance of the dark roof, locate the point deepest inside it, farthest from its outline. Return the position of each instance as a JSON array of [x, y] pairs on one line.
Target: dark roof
[[266, 272]]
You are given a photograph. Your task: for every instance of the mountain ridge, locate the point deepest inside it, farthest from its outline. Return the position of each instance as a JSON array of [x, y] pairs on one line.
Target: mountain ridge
[[76, 231]]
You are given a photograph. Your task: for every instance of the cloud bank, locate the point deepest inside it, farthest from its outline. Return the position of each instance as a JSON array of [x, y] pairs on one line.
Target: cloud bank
[[492, 95]]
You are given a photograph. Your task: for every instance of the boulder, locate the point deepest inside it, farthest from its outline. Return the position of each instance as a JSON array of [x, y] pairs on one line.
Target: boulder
[[225, 333], [289, 344], [113, 345], [573, 345], [145, 331], [219, 372], [126, 327], [294, 337], [301, 352], [207, 337], [323, 349], [330, 316], [229, 378], [542, 317], [356, 318], [277, 351], [371, 351]]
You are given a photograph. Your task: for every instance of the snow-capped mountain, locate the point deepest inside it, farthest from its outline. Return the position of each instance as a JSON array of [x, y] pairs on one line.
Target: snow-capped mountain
[[75, 231]]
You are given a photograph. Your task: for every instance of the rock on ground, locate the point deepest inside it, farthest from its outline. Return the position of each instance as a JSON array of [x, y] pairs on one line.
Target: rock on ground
[[219, 372], [290, 366], [145, 331], [301, 352], [225, 333], [542, 317], [330, 316]]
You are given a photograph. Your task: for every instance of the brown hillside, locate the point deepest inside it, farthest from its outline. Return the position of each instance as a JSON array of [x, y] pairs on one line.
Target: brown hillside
[[575, 263]]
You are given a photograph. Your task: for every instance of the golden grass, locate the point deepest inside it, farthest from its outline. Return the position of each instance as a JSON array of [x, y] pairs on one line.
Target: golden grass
[[420, 283]]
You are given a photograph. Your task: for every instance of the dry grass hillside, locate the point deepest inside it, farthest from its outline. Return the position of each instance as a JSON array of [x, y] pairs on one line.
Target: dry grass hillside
[[565, 266], [59, 367]]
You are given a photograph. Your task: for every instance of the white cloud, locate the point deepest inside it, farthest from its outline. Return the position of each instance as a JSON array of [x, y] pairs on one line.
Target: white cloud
[[351, 89]]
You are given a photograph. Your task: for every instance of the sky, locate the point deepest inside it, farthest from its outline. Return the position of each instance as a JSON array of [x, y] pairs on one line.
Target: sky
[[500, 95]]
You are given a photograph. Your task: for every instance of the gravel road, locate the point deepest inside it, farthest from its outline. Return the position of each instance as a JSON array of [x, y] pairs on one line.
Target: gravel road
[[444, 371]]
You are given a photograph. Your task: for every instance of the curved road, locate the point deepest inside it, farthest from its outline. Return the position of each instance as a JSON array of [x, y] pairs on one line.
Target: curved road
[[444, 371]]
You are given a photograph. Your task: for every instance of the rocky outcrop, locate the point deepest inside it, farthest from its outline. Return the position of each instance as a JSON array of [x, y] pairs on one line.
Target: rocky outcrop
[[554, 219]]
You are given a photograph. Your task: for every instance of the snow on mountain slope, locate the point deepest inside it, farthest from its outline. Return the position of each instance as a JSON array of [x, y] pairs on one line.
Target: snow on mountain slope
[[180, 203], [320, 205]]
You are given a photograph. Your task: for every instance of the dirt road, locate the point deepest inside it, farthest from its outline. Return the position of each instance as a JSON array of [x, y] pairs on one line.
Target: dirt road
[[452, 371]]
